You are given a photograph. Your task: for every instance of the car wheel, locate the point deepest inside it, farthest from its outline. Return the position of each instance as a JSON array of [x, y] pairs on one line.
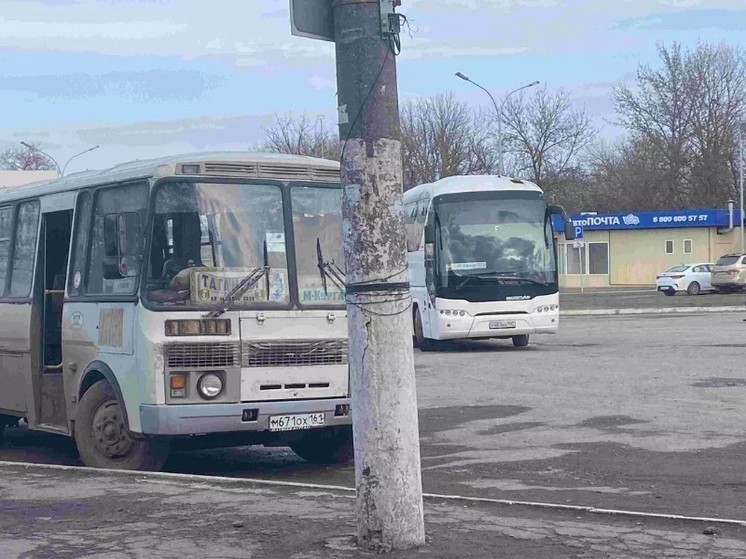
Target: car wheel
[[670, 292], [694, 288]]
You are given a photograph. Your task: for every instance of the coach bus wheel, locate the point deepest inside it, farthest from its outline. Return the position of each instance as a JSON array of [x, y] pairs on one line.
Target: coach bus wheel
[[420, 341], [103, 439], [327, 446], [520, 341]]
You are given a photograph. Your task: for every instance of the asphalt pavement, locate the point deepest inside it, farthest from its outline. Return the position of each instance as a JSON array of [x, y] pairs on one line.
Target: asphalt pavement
[[642, 415]]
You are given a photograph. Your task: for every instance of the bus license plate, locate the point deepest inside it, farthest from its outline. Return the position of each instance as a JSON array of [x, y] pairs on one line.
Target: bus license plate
[[502, 324], [296, 422]]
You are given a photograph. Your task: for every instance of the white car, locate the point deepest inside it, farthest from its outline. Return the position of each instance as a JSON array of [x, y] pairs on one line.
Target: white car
[[692, 278]]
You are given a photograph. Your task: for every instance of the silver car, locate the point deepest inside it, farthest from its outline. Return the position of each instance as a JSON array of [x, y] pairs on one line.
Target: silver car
[[729, 273], [692, 278]]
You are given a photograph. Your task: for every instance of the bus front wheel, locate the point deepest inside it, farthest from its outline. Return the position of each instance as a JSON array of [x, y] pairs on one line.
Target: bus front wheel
[[327, 446], [520, 341], [103, 439]]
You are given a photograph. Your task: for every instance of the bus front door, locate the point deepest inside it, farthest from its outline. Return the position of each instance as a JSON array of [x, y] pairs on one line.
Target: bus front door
[[54, 251]]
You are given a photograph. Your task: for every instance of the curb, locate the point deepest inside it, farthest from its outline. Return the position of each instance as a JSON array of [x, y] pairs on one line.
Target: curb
[[662, 310]]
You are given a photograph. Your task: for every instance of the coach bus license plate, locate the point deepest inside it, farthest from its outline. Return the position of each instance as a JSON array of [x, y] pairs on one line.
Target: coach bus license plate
[[502, 324], [296, 422]]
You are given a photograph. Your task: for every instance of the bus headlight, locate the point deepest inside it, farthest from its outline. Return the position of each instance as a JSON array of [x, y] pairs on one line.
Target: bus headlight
[[210, 385]]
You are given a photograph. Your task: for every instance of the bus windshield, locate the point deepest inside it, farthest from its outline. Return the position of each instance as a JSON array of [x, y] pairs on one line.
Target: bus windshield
[[207, 238], [492, 246]]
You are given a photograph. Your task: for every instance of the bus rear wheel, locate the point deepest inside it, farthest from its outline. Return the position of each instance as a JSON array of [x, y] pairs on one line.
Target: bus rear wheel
[[103, 439], [326, 446], [520, 341]]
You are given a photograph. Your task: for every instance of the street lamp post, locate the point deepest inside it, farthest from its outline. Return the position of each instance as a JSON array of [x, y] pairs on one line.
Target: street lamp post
[[499, 111], [741, 134], [60, 170]]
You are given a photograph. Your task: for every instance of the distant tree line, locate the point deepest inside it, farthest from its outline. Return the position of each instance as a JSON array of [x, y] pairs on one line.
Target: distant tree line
[[679, 149]]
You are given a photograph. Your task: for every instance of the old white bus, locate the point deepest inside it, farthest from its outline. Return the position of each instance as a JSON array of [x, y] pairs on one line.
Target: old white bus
[[174, 299], [482, 259]]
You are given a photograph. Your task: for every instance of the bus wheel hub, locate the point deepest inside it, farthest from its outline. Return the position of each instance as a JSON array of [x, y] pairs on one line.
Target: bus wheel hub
[[110, 432]]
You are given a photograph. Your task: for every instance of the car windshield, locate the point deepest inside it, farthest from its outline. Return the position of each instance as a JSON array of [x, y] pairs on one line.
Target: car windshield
[[208, 237], [681, 268]]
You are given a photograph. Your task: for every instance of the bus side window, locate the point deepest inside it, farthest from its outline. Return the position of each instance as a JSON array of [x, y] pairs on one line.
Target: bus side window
[[6, 233], [27, 229]]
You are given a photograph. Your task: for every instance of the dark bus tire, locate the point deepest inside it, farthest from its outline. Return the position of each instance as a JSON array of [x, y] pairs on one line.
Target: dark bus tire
[[103, 439], [325, 446]]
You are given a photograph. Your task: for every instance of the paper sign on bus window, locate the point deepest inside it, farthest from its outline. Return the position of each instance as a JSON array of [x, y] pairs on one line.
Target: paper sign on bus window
[[458, 266]]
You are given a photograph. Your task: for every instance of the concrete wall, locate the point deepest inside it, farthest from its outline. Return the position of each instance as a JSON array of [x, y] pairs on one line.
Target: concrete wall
[[10, 179]]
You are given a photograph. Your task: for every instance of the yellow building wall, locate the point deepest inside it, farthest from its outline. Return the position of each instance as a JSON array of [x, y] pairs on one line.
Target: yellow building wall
[[638, 256]]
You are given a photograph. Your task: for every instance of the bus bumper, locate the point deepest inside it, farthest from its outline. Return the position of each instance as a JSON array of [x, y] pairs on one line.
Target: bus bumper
[[499, 326], [197, 419]]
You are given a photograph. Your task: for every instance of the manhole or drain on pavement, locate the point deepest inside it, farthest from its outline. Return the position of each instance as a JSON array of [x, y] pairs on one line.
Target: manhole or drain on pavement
[[719, 382]]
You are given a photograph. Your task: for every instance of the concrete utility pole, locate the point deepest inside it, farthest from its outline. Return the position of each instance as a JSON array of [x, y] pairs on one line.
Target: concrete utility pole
[[384, 400]]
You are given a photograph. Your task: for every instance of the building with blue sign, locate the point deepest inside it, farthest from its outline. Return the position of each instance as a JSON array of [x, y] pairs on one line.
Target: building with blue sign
[[630, 249]]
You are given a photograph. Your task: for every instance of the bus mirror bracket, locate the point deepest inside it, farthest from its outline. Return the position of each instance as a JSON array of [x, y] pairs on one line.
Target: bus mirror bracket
[[567, 222]]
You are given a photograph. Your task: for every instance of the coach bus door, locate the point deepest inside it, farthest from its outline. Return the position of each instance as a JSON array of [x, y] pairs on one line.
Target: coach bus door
[[54, 252]]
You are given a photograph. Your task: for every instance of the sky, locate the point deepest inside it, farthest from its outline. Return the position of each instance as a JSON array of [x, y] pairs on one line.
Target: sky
[[150, 78]]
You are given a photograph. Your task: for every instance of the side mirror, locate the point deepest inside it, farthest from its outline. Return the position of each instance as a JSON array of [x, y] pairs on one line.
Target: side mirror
[[569, 227]]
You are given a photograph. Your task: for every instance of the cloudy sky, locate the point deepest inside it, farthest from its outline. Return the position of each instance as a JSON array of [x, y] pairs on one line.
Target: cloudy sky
[[145, 78]]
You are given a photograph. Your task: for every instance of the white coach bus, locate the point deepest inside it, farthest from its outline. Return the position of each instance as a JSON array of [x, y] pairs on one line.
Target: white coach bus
[[482, 259], [177, 299]]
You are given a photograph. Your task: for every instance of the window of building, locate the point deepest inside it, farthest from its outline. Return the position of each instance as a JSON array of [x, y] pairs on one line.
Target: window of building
[[688, 246], [598, 258], [575, 260], [669, 247], [6, 233], [27, 229]]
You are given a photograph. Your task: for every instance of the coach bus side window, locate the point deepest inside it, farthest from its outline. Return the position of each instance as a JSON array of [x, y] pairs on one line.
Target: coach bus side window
[[6, 233], [107, 274], [27, 228]]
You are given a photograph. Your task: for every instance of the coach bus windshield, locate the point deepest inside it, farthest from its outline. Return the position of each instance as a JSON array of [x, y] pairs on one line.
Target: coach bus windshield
[[207, 238], [494, 246]]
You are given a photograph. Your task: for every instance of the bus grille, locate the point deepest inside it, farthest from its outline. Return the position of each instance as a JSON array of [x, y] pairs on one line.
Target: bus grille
[[273, 170], [210, 355], [296, 353]]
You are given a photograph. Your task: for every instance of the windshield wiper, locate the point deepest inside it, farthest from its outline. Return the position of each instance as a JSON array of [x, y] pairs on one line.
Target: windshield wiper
[[328, 270], [242, 287]]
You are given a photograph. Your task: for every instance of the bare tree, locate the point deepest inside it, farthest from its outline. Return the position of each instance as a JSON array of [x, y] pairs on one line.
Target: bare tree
[[684, 114], [546, 137], [441, 137], [25, 159], [301, 136]]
